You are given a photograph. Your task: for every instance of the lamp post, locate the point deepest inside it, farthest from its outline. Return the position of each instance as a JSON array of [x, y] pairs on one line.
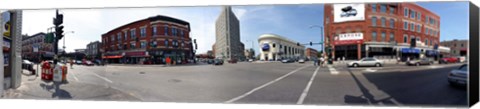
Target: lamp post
[[321, 36], [64, 50]]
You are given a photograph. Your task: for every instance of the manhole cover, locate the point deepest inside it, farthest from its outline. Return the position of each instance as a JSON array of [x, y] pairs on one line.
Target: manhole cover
[[142, 72], [174, 80]]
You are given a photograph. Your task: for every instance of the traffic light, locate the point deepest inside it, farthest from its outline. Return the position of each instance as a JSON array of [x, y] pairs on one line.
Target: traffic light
[[59, 32], [311, 43], [58, 20]]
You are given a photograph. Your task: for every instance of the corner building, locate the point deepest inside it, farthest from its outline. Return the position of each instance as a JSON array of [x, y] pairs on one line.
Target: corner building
[[149, 41], [382, 30]]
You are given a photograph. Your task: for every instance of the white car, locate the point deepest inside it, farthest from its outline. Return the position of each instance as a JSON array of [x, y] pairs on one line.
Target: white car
[[301, 61], [458, 76], [369, 61]]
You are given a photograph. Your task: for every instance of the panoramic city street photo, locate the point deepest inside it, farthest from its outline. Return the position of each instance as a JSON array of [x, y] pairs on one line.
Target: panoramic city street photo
[[374, 54]]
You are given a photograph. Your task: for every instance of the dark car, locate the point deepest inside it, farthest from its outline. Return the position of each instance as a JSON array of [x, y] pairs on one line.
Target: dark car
[[98, 62], [348, 11], [210, 61], [233, 61], [218, 62], [418, 62], [27, 65]]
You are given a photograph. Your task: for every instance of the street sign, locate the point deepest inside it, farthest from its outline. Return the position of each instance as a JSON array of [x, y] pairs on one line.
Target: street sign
[[35, 48]]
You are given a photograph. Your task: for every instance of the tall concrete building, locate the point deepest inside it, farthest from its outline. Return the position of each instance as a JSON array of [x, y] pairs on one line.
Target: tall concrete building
[[227, 31]]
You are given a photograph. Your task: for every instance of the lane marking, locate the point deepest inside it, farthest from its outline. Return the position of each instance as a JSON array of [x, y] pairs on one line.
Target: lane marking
[[307, 88], [333, 71], [264, 85], [102, 78]]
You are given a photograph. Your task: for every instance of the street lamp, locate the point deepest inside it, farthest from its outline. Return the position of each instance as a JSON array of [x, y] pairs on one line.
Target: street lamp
[[323, 40], [64, 50]]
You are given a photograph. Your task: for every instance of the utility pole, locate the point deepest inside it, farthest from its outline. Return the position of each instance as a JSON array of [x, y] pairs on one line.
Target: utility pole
[[57, 21]]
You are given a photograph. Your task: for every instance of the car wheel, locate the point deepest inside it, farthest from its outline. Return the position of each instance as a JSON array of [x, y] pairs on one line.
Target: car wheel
[[378, 65], [355, 65], [417, 64]]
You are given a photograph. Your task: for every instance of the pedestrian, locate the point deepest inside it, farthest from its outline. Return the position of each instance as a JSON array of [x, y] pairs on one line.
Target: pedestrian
[[321, 62], [398, 60], [343, 59], [71, 64], [168, 60], [315, 62]]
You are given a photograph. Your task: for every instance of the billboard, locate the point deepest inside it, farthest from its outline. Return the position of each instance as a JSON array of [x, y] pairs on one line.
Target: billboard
[[348, 12]]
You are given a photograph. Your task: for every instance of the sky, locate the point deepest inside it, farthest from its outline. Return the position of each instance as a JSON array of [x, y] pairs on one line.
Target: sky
[[290, 21]]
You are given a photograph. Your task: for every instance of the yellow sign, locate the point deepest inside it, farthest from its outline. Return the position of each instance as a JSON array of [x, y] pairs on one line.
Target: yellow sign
[[7, 28]]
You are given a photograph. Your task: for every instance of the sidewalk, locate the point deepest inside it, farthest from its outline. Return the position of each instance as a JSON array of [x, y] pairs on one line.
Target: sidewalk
[[156, 65], [34, 88]]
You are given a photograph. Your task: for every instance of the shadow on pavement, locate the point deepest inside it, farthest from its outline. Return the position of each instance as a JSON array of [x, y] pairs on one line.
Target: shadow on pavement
[[422, 87], [366, 97], [57, 91]]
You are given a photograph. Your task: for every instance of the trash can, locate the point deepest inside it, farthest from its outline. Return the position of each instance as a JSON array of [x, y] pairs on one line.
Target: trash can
[[46, 71], [57, 73]]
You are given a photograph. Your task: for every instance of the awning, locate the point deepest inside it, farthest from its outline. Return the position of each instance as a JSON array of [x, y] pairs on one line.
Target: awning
[[112, 57], [410, 50], [431, 52]]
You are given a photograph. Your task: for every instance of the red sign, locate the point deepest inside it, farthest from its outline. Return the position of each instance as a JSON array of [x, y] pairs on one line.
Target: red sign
[[347, 42]]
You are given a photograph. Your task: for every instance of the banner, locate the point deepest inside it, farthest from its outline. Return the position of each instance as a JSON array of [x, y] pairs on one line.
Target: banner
[[348, 12]]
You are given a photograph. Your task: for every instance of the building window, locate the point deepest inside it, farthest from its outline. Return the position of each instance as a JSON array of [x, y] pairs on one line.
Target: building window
[[166, 43], [143, 44], [154, 30], [112, 38], [419, 16], [431, 42], [132, 45], [143, 32], [119, 37], [461, 45], [419, 29], [166, 30], [418, 38], [374, 36], [383, 21], [132, 34], [412, 14], [392, 37], [374, 7], [426, 31], [431, 21], [405, 25], [412, 26], [392, 23], [181, 33], [273, 45], [384, 35], [174, 32], [426, 41], [374, 21], [125, 35], [405, 12], [392, 10], [405, 38], [383, 8]]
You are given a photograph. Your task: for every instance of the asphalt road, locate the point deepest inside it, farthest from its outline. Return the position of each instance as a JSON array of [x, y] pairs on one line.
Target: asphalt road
[[278, 83]]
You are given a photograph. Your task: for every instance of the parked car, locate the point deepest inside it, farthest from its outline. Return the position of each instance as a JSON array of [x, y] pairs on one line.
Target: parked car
[[301, 61], [250, 60], [418, 62], [78, 62], [458, 76], [368, 61], [287, 61], [218, 62], [210, 61], [98, 62], [447, 60], [232, 61], [88, 63], [27, 65]]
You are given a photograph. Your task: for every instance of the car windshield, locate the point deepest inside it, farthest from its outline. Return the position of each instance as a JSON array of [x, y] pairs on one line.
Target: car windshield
[[463, 68]]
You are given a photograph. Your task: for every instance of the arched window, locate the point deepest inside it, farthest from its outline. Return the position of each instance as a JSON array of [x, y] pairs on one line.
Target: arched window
[[374, 21]]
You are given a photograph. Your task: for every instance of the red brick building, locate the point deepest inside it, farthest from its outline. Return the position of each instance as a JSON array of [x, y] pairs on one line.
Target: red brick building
[[382, 30], [149, 41], [311, 53]]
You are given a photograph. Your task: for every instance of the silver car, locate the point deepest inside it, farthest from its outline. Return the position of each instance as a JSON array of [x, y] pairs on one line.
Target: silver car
[[366, 62], [458, 76]]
